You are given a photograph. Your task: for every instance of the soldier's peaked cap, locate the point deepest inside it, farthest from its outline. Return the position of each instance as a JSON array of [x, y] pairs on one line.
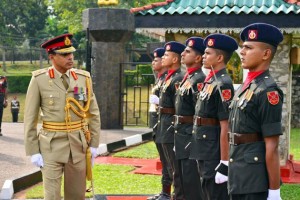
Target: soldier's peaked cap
[[61, 44], [174, 47], [221, 41], [262, 32], [159, 52], [196, 43]]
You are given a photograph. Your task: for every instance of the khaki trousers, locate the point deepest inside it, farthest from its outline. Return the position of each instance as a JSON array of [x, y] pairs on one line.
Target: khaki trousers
[[74, 180]]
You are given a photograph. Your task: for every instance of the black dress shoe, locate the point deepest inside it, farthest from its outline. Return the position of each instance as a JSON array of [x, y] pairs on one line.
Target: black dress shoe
[[164, 196], [153, 197], [0, 134]]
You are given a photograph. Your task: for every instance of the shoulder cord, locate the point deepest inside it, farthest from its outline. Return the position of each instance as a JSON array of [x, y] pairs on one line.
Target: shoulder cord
[[81, 112]]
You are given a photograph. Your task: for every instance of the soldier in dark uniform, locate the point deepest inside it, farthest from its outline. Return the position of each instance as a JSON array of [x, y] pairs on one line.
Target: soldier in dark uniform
[[172, 61], [161, 71], [255, 120], [15, 109], [186, 98], [3, 98], [209, 145]]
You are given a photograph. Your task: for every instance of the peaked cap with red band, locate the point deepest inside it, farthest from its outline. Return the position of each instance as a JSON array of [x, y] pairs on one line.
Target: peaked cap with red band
[[61, 44]]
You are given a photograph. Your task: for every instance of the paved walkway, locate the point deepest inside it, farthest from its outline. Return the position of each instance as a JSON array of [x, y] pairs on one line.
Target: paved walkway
[[13, 161]]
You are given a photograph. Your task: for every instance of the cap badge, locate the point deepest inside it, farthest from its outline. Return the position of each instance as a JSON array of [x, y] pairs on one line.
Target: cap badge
[[155, 54], [191, 43], [252, 34], [211, 42], [67, 41], [168, 47]]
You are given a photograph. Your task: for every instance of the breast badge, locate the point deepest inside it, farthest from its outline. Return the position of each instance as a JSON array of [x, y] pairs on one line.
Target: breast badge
[[226, 94]]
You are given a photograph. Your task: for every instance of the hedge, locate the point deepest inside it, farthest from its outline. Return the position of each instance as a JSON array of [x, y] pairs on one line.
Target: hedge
[[18, 84], [142, 75]]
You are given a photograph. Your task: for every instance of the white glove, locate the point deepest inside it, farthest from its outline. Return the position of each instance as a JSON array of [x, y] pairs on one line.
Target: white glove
[[221, 178], [37, 160], [94, 154], [274, 195], [154, 99]]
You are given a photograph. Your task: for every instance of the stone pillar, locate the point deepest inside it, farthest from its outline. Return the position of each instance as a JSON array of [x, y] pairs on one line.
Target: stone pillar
[[282, 73], [109, 30]]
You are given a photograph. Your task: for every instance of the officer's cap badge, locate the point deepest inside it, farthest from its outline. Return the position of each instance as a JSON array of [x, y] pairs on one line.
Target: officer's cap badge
[[191, 43], [168, 47]]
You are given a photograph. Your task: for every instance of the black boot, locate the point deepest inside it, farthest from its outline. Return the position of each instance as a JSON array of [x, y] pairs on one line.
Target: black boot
[[0, 132]]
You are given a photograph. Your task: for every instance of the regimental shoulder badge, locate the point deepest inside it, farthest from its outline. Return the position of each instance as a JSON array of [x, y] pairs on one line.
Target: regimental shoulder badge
[[273, 97], [226, 94], [200, 86]]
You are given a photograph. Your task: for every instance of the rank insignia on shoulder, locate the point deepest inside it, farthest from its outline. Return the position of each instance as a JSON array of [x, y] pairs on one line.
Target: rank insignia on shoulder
[[199, 86], [226, 94], [273, 97]]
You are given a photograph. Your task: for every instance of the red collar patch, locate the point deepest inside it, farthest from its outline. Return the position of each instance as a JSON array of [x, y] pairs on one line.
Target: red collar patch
[[273, 97], [226, 94]]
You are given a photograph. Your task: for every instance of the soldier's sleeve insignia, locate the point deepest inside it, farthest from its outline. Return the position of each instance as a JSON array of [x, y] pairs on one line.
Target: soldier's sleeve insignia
[[273, 97], [226, 94], [200, 86]]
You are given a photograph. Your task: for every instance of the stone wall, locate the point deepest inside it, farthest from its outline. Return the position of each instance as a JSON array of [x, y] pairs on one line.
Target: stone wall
[[281, 71], [295, 113]]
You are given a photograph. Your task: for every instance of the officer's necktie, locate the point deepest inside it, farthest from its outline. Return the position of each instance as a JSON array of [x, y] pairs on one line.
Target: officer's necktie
[[64, 79]]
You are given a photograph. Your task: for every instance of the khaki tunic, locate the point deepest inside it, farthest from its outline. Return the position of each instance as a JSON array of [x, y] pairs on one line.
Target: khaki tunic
[[46, 97]]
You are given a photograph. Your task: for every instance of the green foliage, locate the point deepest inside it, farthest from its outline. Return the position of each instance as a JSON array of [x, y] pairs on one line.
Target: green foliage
[[147, 150], [18, 84], [296, 69], [21, 20]]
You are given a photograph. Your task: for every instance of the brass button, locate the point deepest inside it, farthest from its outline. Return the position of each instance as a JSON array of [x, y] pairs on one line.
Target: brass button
[[51, 102], [204, 136], [175, 131], [172, 122], [230, 160], [256, 158], [158, 121], [193, 131]]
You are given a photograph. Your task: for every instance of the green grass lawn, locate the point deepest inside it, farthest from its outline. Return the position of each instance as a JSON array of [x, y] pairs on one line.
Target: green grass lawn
[[118, 179], [295, 143]]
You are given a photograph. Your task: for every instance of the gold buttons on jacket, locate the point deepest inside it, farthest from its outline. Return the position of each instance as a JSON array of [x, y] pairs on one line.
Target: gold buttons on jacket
[[256, 158], [204, 136], [175, 131], [230, 160], [193, 131]]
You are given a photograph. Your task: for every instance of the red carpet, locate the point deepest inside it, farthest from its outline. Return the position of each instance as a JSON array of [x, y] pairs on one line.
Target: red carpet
[[143, 166]]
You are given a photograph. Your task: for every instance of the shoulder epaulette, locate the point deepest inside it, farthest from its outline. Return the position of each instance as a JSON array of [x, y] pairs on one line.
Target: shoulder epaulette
[[82, 72], [39, 72]]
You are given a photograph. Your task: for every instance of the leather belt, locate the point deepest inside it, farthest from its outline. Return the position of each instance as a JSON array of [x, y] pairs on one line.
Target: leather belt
[[162, 110], [178, 119], [238, 138], [63, 127], [199, 121]]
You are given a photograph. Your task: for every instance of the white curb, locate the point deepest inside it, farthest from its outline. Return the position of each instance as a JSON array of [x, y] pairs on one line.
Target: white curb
[[7, 190], [133, 139]]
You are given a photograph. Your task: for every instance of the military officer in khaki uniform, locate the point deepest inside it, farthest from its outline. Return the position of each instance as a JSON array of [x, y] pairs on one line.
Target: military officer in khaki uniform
[[68, 141]]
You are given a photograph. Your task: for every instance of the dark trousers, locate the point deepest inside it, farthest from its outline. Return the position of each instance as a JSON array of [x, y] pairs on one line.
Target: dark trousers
[[255, 196], [211, 190], [177, 182], [190, 179], [15, 116], [167, 177]]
